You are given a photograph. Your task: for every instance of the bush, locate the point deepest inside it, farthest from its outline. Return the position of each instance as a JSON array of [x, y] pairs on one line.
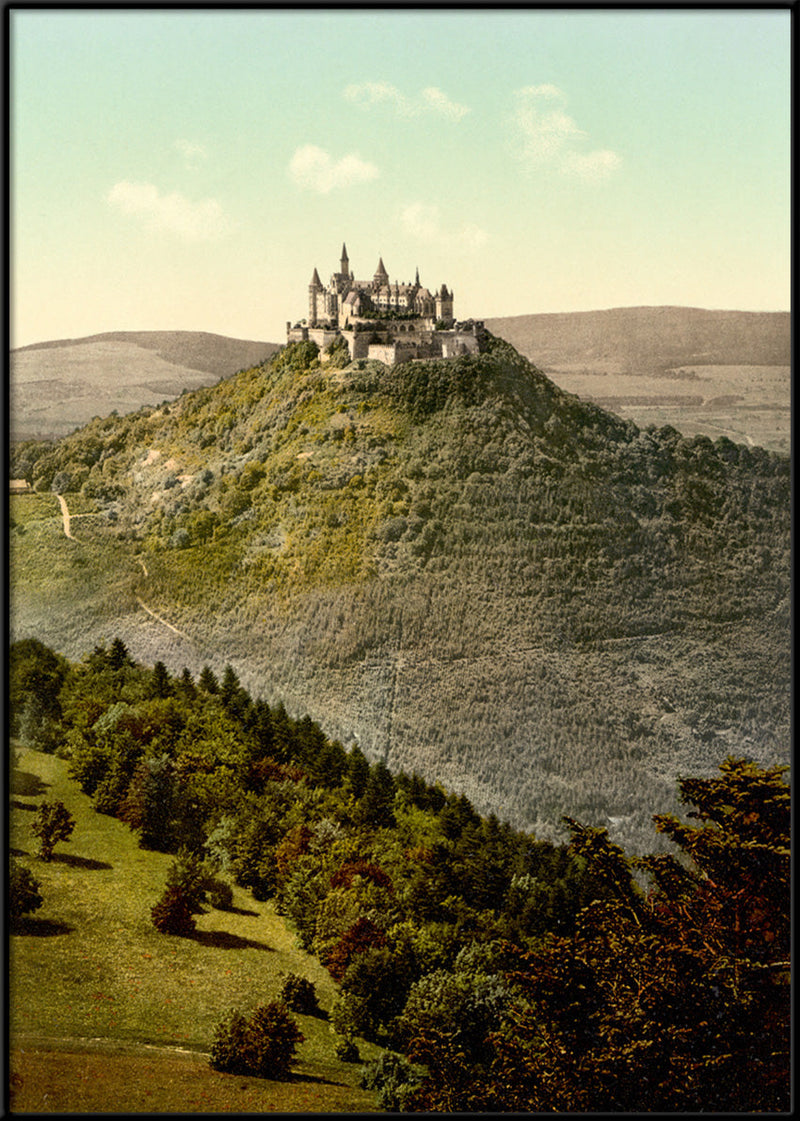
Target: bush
[[347, 1051], [220, 894], [53, 823], [23, 891], [393, 1078], [299, 995], [263, 1045], [184, 894], [173, 912]]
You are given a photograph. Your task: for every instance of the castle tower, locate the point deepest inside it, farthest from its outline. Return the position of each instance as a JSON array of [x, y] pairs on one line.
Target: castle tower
[[314, 290], [344, 264], [444, 304], [381, 276]]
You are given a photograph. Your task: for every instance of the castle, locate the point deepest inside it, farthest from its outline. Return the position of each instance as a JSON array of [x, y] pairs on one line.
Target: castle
[[381, 320]]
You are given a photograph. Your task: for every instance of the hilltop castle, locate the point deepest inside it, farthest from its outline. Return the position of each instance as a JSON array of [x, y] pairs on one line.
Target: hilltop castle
[[378, 319]]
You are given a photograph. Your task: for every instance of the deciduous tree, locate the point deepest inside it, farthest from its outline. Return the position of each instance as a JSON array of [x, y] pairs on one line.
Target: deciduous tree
[[53, 823]]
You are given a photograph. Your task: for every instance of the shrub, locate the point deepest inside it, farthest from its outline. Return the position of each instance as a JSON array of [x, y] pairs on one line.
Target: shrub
[[183, 896], [173, 913], [220, 894], [299, 994], [53, 823], [347, 1051], [393, 1078], [23, 891], [263, 1045]]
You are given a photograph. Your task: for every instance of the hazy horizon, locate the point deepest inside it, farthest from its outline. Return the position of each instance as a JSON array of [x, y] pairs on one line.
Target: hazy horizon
[[188, 169]]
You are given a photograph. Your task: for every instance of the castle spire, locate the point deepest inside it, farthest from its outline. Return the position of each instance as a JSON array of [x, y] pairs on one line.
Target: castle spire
[[344, 264], [381, 275], [315, 280]]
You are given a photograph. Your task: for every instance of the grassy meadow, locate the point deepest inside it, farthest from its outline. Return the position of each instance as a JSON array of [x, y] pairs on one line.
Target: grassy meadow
[[106, 1014]]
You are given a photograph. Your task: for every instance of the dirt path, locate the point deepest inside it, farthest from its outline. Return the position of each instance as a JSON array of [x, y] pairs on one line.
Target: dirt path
[[158, 619], [65, 512], [68, 533]]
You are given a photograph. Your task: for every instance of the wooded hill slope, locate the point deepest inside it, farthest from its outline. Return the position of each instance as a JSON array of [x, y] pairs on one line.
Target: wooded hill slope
[[456, 564]]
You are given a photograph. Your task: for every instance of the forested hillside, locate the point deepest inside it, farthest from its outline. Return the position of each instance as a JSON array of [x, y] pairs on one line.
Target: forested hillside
[[502, 973], [455, 564]]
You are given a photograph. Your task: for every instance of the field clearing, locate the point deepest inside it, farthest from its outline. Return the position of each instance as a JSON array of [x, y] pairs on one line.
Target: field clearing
[[748, 404], [92, 982], [97, 1080]]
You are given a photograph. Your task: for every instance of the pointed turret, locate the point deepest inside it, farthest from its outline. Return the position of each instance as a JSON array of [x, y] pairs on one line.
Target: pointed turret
[[315, 281], [344, 265], [381, 276]]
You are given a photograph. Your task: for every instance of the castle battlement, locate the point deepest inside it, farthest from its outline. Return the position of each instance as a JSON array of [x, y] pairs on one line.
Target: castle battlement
[[390, 322]]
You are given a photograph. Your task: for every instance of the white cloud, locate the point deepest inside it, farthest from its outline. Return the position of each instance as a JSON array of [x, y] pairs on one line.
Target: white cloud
[[423, 222], [314, 168], [430, 100], [193, 153], [594, 165], [472, 236], [441, 103], [173, 213], [545, 135]]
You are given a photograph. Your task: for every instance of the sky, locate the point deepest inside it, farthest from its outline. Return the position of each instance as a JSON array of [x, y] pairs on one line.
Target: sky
[[189, 169]]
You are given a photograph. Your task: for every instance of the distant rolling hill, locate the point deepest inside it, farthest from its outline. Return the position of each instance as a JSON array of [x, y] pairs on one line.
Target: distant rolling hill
[[704, 372], [649, 340], [59, 385], [710, 373]]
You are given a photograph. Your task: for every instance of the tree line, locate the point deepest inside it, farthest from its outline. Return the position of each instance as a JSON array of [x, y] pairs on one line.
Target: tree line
[[499, 972]]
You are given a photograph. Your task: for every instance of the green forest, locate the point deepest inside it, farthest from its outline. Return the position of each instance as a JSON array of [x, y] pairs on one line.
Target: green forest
[[493, 970], [471, 574]]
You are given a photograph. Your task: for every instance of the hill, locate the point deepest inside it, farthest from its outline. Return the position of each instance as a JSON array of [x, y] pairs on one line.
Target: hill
[[59, 385], [649, 340], [470, 572], [107, 1014], [717, 373]]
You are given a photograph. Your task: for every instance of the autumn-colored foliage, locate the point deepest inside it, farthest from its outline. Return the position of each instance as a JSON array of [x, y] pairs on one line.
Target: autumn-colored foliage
[[262, 1045], [361, 936], [672, 1000], [344, 875]]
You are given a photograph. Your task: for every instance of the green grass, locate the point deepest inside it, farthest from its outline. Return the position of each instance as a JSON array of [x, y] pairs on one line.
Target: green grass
[[91, 971]]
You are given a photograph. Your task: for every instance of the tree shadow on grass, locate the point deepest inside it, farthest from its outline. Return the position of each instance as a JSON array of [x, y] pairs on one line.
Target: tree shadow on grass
[[79, 861], [17, 805], [28, 785], [238, 911], [224, 940], [294, 1076], [39, 928]]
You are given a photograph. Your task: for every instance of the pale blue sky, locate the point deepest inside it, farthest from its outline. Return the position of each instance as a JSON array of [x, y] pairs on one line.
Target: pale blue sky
[[189, 169]]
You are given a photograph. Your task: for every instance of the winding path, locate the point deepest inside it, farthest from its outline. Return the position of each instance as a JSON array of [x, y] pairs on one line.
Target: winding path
[[158, 619], [68, 533], [65, 513]]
